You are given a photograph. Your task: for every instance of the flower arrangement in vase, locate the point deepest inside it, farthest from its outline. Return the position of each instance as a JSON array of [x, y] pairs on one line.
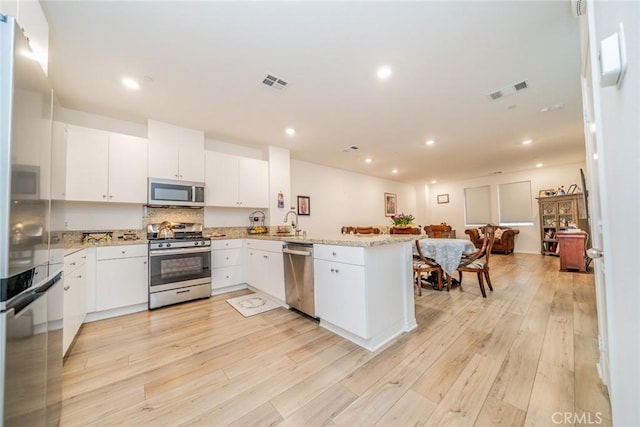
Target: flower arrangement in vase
[[402, 220]]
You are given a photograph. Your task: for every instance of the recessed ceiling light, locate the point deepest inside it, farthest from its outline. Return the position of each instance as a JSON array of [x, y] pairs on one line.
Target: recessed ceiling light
[[368, 160], [290, 131], [384, 72], [394, 170], [130, 83], [434, 182], [527, 142], [539, 165], [430, 142]]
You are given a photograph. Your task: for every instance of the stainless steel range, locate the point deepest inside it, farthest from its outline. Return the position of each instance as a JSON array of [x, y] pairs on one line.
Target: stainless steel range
[[179, 263]]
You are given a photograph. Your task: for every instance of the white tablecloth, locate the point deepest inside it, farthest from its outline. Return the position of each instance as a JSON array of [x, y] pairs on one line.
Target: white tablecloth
[[446, 252]]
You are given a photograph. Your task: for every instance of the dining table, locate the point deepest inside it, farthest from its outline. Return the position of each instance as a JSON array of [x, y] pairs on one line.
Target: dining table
[[446, 252]]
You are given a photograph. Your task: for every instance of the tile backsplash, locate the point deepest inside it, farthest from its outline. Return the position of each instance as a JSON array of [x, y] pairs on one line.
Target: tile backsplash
[[153, 215]]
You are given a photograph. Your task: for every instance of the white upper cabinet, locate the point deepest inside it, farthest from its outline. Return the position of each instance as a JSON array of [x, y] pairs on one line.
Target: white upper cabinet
[[104, 166], [33, 22], [175, 152], [234, 181], [127, 168], [87, 164]]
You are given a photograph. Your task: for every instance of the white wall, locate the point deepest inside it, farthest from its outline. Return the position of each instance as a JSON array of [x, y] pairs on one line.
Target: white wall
[[528, 241], [339, 197]]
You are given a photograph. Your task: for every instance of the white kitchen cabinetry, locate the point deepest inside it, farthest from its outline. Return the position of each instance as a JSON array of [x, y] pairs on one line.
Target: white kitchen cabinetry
[[364, 293], [226, 264], [105, 166], [234, 181], [265, 267], [175, 152], [32, 20], [340, 287], [75, 296], [122, 276]]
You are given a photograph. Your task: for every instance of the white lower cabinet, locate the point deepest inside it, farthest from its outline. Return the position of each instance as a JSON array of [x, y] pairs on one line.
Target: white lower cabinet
[[265, 267], [122, 276], [340, 288], [226, 263], [75, 296], [364, 293]]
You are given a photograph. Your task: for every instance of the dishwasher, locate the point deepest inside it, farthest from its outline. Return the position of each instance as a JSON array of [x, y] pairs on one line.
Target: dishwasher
[[298, 277]]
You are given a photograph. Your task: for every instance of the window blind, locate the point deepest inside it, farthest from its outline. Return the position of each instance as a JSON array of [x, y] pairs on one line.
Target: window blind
[[514, 202], [477, 205]]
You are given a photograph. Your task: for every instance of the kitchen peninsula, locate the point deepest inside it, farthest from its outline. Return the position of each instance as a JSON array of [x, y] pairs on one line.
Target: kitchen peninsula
[[363, 285]]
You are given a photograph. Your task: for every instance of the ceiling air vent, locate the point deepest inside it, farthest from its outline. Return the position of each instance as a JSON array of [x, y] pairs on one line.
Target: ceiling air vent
[[508, 90], [274, 82], [351, 148]]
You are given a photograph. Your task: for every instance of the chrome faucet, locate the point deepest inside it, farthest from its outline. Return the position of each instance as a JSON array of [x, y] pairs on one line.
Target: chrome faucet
[[294, 223]]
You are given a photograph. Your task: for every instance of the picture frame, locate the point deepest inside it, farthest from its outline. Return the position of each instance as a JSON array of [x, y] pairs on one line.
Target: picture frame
[[304, 205], [547, 193], [390, 204], [443, 198]]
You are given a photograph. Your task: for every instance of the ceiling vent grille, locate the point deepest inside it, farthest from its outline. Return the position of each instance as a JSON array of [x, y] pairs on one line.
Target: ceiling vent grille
[[508, 90], [350, 148], [275, 83]]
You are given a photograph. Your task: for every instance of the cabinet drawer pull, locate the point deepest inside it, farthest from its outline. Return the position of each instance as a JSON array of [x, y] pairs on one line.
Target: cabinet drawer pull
[[72, 263], [182, 292], [333, 253], [66, 288], [79, 276]]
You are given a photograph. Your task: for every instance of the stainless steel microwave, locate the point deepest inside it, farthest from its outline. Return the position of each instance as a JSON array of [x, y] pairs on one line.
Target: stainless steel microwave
[[170, 192]]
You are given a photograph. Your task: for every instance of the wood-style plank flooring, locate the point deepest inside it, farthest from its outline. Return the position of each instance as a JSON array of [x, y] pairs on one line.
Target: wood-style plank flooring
[[526, 355]]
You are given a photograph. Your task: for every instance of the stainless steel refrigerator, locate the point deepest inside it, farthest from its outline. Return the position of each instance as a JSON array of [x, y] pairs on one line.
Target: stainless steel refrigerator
[[30, 280]]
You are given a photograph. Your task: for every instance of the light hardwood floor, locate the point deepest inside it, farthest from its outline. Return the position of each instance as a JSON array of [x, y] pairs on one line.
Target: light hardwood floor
[[526, 355]]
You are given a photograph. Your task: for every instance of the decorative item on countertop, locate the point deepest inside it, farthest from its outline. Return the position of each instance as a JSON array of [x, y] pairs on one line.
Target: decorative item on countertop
[[256, 221], [403, 220], [97, 237], [280, 200]]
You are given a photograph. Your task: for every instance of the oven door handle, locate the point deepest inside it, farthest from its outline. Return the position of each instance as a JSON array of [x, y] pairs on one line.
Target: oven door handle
[[179, 251]]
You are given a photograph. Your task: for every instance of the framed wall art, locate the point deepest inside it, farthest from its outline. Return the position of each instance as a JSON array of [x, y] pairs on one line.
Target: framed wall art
[[390, 204], [304, 205], [443, 198]]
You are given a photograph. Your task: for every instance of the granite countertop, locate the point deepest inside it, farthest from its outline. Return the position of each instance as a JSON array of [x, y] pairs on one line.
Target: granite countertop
[[358, 240], [71, 247], [361, 240]]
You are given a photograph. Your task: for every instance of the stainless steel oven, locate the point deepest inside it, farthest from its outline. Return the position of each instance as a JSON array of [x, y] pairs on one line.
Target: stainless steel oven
[[179, 270]]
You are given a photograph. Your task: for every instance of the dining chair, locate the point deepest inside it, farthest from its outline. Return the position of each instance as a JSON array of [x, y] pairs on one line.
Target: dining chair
[[439, 231], [367, 230], [478, 261], [422, 264]]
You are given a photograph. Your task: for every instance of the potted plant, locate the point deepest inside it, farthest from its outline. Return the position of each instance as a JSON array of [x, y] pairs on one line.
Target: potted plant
[[403, 221]]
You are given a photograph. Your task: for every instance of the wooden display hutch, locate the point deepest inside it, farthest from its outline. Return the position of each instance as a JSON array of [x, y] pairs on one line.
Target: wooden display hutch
[[556, 213]]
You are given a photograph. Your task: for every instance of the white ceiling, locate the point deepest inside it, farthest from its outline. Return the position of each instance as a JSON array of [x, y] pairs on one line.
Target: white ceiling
[[201, 65]]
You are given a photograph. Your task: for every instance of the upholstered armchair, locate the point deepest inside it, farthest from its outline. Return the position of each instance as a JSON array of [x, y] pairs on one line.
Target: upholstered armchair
[[504, 238]]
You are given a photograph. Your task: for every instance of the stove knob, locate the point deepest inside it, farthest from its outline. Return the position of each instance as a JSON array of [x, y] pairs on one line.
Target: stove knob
[[168, 245], [160, 245], [196, 243]]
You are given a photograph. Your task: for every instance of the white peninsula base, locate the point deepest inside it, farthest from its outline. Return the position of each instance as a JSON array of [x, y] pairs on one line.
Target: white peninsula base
[[365, 293]]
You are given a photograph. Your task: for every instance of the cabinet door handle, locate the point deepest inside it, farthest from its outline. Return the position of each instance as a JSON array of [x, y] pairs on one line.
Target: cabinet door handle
[[72, 263], [110, 196], [66, 288], [79, 276], [104, 196], [333, 253], [144, 262]]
